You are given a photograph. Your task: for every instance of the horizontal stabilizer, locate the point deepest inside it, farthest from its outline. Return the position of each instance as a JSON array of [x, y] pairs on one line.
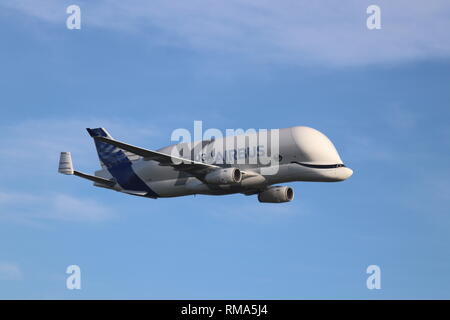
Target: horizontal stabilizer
[[66, 167], [106, 182], [136, 193]]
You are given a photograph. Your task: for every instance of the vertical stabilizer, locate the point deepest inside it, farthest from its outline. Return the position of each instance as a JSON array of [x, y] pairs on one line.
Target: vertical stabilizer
[[109, 155]]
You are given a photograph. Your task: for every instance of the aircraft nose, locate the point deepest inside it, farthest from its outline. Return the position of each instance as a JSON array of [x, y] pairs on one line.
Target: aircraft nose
[[344, 173], [349, 173]]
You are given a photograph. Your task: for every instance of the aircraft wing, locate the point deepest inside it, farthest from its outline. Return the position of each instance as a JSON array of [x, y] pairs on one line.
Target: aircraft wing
[[177, 163]]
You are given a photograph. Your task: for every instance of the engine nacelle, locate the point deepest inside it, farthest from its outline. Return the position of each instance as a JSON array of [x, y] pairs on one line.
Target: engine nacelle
[[224, 176], [276, 194]]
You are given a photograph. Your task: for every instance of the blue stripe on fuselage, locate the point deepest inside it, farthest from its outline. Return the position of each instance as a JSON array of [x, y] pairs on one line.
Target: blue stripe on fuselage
[[128, 179], [118, 164]]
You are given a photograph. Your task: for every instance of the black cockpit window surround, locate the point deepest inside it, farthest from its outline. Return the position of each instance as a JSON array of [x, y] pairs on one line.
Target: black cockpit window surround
[[320, 166]]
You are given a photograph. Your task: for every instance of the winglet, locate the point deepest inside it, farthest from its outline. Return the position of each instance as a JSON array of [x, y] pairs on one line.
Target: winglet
[[65, 163]]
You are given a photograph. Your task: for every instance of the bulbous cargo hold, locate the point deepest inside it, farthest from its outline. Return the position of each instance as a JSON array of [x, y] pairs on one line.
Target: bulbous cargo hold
[[308, 145], [312, 156]]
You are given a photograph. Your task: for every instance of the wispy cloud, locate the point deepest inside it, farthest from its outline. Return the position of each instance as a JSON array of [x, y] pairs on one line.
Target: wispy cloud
[[33, 146], [30, 162], [249, 210], [29, 208], [401, 118], [10, 271], [331, 32]]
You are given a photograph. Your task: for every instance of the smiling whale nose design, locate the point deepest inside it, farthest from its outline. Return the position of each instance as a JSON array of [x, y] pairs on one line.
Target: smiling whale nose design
[[316, 157], [343, 173]]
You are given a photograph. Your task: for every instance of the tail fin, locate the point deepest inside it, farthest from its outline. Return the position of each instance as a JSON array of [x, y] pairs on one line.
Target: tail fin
[[108, 154]]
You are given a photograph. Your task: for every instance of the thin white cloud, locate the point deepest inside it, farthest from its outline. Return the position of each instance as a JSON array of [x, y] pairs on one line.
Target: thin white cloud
[[301, 31], [401, 118], [28, 207], [362, 148], [32, 147], [10, 271], [30, 162], [249, 210]]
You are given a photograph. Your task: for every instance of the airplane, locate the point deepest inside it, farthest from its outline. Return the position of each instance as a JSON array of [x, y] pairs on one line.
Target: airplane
[[304, 154]]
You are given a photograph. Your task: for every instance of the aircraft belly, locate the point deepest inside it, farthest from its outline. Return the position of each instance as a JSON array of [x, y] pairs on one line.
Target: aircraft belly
[[170, 188], [283, 175]]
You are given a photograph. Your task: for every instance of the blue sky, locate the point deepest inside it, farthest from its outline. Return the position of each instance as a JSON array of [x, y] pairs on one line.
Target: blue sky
[[143, 70]]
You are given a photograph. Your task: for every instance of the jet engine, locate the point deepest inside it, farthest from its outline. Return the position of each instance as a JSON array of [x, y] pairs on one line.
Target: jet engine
[[224, 176], [276, 194]]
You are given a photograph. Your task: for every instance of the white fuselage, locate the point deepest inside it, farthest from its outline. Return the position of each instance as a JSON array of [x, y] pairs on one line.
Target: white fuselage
[[304, 154]]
